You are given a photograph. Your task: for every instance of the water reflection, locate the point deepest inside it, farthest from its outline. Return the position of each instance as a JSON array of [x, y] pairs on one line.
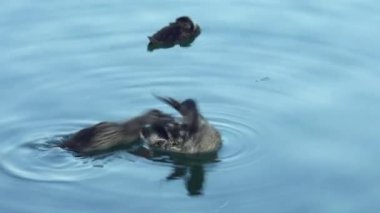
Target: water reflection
[[188, 168], [193, 175]]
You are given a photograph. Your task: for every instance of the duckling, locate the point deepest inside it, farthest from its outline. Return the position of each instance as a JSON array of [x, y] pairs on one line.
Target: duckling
[[193, 134], [106, 135], [183, 32]]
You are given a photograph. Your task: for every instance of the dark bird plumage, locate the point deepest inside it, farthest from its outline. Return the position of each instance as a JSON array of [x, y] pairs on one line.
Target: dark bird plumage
[[106, 135], [191, 134], [182, 32]]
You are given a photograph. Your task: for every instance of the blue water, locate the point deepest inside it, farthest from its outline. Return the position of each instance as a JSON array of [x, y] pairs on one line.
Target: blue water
[[292, 85]]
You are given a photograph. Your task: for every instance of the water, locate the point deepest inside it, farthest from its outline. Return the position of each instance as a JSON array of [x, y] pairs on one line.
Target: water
[[292, 86]]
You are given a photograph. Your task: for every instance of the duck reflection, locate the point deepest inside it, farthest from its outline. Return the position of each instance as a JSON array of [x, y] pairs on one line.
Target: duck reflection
[[193, 175], [190, 169]]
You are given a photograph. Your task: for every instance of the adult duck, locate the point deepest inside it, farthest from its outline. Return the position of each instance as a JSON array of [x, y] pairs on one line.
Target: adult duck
[[191, 134]]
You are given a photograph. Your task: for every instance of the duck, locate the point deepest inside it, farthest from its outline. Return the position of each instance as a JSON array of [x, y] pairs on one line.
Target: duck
[[191, 134], [107, 135], [182, 32]]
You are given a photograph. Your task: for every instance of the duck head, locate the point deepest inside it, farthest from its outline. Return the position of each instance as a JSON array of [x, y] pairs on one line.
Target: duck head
[[188, 109], [166, 134], [185, 23]]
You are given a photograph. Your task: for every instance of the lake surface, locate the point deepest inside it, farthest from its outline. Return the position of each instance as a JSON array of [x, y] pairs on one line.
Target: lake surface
[[293, 87]]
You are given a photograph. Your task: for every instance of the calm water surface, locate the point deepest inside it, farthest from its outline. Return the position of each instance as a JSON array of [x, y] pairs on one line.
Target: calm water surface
[[292, 85]]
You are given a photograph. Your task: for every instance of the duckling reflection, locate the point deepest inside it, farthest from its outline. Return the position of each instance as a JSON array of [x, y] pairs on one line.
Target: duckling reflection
[[182, 32], [106, 136]]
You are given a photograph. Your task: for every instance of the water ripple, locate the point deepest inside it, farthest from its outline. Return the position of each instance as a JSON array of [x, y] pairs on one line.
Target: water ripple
[[240, 146], [38, 158], [41, 160]]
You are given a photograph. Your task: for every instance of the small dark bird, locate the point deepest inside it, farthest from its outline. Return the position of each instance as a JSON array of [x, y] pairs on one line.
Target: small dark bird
[[106, 135], [193, 134], [182, 32]]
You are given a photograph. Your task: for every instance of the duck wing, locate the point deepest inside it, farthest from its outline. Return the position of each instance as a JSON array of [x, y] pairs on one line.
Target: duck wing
[[169, 34], [171, 102], [95, 137]]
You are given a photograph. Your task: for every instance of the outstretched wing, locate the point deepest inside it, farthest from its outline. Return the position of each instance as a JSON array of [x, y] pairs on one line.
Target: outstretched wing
[[171, 102]]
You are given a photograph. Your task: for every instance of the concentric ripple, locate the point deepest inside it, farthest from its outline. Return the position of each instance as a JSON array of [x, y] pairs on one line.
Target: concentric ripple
[[240, 146], [40, 159]]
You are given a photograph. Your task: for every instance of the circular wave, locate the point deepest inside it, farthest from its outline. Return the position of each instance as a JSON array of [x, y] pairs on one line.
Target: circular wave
[[42, 160], [39, 159], [239, 146]]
